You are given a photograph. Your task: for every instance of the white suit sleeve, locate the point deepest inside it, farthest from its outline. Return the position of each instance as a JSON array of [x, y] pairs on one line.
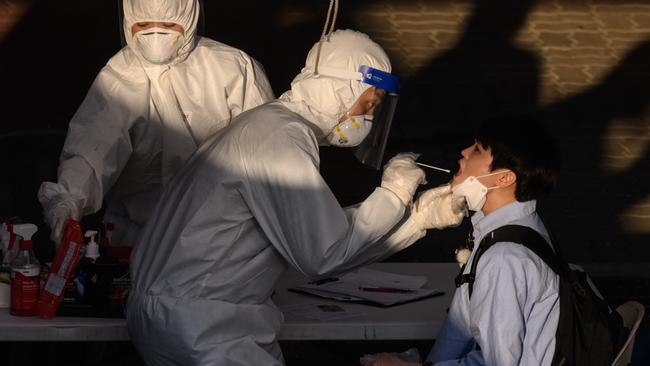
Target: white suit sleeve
[[404, 234], [304, 221], [98, 145], [253, 90]]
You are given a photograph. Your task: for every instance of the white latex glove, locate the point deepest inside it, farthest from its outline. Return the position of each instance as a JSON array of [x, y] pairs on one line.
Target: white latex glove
[[58, 209], [437, 208], [402, 176]]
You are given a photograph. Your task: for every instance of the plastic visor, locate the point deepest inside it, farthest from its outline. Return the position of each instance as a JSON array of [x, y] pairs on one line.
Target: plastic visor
[[371, 151]]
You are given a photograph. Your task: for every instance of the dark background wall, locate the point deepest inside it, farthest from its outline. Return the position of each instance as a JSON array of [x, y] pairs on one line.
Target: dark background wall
[[583, 66]]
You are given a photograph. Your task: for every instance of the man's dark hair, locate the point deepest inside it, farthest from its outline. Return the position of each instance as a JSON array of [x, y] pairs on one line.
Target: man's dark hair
[[521, 144]]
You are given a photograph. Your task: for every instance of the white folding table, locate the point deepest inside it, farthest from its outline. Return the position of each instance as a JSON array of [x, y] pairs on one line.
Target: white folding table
[[418, 320]]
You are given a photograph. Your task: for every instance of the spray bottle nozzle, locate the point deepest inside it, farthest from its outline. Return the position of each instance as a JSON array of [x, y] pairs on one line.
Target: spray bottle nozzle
[[92, 250], [25, 231]]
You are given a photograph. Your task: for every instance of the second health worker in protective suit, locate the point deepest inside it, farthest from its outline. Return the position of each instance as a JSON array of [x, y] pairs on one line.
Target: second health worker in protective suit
[[147, 111], [251, 202]]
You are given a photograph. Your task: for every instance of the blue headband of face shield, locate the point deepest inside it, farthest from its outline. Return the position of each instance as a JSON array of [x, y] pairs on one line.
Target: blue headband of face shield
[[378, 78]]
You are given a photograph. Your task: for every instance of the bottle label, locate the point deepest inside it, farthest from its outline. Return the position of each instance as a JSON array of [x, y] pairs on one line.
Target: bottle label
[[55, 284], [69, 256], [24, 292], [31, 271]]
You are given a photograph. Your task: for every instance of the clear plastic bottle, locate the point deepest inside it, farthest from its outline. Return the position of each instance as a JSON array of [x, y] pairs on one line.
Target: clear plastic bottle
[[25, 271]]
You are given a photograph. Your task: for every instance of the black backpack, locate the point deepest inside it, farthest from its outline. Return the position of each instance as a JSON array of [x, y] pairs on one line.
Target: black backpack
[[588, 332]]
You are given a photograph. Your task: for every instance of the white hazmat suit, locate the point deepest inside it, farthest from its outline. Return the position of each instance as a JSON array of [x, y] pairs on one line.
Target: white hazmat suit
[[250, 203], [140, 121]]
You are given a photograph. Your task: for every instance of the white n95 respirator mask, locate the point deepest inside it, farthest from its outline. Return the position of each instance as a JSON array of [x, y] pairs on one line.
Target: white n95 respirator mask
[[158, 45], [474, 192], [351, 132]]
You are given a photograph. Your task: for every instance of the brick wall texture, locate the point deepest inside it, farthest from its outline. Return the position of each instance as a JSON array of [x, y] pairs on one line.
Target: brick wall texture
[[576, 41]]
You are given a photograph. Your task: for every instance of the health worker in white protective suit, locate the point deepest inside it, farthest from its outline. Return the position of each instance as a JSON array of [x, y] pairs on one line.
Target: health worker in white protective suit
[[251, 202], [147, 111]]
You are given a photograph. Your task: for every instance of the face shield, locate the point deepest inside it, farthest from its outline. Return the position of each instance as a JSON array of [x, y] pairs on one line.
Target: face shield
[[370, 151]]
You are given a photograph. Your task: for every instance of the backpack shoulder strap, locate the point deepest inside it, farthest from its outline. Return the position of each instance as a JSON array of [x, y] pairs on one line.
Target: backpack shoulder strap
[[522, 235]]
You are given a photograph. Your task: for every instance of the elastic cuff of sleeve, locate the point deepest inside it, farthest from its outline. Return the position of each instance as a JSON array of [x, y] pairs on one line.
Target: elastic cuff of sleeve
[[414, 225], [394, 194]]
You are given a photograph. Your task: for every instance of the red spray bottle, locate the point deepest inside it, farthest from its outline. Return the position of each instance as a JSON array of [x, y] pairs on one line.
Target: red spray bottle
[[65, 261]]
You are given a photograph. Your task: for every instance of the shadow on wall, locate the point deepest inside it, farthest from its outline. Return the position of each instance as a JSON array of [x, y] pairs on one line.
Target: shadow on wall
[[598, 198], [486, 75], [600, 209], [440, 107], [594, 210]]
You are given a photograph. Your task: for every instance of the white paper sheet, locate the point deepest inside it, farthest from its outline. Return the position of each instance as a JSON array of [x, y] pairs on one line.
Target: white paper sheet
[[375, 287]]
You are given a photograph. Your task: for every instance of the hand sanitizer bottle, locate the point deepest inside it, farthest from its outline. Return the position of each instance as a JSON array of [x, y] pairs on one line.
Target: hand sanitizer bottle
[[25, 270], [92, 249]]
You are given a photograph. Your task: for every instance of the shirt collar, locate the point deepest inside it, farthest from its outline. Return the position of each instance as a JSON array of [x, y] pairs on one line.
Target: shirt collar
[[503, 215]]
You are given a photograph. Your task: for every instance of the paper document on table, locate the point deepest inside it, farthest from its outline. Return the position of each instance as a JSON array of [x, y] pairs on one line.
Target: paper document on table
[[370, 287], [385, 279]]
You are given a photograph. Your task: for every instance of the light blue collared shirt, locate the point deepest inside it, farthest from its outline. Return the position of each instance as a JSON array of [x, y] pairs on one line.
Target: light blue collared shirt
[[514, 310]]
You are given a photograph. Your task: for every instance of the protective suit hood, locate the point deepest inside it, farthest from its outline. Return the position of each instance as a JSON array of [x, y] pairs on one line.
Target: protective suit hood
[[324, 97], [182, 12]]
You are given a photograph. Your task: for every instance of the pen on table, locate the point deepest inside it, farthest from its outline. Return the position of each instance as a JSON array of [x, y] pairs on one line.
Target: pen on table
[[324, 281], [433, 167], [386, 289]]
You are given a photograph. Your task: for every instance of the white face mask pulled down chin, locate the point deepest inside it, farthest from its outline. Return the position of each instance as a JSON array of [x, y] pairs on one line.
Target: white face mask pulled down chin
[[473, 191], [158, 45]]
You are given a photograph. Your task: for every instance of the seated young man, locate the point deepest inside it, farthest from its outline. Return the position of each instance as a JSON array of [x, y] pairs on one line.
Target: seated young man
[[513, 313]]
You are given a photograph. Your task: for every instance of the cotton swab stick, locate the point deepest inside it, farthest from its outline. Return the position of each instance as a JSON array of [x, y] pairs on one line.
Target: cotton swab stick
[[433, 167]]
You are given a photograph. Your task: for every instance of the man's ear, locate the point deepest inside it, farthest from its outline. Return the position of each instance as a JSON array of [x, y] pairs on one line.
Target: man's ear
[[506, 179]]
